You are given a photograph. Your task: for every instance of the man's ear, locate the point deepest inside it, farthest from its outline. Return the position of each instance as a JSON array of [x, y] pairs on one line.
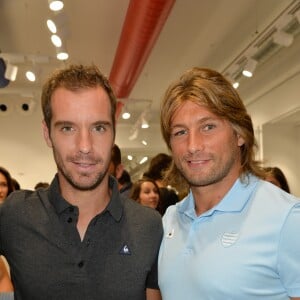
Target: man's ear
[[240, 140], [46, 134], [119, 171]]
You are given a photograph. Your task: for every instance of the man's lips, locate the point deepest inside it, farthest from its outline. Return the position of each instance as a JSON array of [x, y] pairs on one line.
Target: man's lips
[[84, 165], [197, 161]]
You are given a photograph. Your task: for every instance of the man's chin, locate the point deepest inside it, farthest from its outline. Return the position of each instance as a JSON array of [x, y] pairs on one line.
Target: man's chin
[[85, 186], [84, 183]]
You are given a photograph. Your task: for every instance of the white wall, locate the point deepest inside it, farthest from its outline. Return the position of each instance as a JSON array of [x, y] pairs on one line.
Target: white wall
[[23, 150], [281, 148], [276, 103], [281, 143]]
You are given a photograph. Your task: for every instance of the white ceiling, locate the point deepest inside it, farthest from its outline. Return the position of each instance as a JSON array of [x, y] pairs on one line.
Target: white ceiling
[[207, 33]]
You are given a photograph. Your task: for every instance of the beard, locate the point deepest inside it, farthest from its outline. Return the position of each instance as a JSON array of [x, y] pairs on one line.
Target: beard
[[213, 175], [215, 172], [83, 181]]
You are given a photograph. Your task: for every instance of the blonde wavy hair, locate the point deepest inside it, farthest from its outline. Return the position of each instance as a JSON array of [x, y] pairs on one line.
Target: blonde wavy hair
[[211, 89]]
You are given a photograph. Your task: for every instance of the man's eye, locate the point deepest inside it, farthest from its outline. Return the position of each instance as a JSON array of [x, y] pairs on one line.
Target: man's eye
[[179, 132], [100, 128], [208, 127], [67, 129]]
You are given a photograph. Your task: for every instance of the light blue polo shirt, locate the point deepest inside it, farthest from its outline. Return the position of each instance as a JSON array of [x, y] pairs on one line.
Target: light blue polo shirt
[[246, 247]]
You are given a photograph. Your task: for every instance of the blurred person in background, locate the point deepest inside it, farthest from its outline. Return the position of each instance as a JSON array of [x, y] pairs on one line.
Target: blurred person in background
[[277, 177], [125, 184], [16, 184], [146, 192], [6, 187], [41, 185], [6, 184], [158, 168], [116, 167], [158, 165]]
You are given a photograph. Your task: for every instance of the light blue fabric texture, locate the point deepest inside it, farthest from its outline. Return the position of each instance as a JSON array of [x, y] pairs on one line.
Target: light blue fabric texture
[[246, 247], [7, 296]]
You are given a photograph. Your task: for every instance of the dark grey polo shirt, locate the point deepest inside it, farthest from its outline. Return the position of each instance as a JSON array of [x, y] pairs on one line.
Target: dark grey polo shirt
[[116, 260]]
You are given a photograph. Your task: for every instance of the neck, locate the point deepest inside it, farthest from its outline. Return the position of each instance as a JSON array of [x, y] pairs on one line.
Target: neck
[[206, 197]]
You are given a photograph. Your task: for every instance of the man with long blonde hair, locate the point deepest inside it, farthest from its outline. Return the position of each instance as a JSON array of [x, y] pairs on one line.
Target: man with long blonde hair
[[235, 235]]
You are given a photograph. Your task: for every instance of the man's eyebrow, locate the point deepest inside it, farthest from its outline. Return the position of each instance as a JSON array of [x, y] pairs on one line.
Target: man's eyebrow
[[201, 120], [106, 123], [62, 123], [66, 123], [179, 125]]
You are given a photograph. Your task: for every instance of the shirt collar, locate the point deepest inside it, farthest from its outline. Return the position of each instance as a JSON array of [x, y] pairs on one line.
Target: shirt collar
[[234, 201], [114, 207], [58, 202]]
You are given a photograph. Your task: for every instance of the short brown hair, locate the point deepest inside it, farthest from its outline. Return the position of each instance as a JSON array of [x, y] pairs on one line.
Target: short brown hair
[[73, 78]]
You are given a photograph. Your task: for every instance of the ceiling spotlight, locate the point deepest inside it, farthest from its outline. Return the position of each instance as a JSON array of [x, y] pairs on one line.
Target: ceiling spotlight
[[56, 5], [233, 82], [126, 114], [143, 160], [61, 53], [144, 143], [249, 67], [283, 38], [30, 75], [144, 124], [11, 72], [236, 85], [51, 26], [58, 21], [56, 40], [129, 157]]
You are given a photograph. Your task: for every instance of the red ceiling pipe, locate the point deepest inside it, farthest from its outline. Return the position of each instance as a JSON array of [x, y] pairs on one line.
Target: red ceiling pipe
[[143, 23]]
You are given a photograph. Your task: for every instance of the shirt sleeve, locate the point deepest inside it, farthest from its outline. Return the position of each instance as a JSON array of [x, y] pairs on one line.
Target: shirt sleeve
[[152, 278], [289, 253], [7, 296]]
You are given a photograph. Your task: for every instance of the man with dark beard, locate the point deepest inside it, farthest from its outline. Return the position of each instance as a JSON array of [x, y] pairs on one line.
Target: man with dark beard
[[79, 239], [235, 235]]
